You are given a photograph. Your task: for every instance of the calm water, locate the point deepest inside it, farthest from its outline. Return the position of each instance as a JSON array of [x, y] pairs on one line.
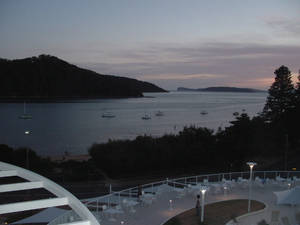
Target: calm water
[[75, 126]]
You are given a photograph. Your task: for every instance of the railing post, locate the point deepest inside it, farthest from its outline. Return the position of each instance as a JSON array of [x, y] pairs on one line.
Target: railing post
[[264, 175]]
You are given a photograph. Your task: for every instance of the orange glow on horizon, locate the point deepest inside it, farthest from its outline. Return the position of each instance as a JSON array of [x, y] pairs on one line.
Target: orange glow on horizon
[[263, 83], [180, 76]]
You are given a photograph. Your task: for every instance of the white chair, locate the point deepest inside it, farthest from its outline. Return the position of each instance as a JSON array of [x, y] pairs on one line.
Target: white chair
[[125, 204], [147, 201], [275, 217], [180, 192], [130, 204], [103, 212], [224, 180], [285, 220], [295, 178], [258, 182], [280, 179], [233, 183], [119, 208], [258, 179], [297, 217]]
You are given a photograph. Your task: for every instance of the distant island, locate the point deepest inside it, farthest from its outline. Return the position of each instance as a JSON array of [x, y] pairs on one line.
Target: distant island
[[221, 89], [49, 78]]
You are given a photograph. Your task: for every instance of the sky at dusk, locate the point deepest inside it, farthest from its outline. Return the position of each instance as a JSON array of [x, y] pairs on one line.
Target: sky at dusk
[[172, 43]]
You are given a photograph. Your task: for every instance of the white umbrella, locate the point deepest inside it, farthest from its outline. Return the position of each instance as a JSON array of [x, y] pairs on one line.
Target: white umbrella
[[291, 196]]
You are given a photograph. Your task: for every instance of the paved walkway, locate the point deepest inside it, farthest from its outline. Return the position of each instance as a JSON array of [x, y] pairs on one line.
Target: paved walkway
[[161, 209]]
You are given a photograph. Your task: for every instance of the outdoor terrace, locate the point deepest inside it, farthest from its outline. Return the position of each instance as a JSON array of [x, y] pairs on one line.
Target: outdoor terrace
[[163, 200]]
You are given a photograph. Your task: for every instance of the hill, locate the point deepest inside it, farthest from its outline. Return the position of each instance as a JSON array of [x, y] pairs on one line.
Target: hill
[[221, 89], [49, 78]]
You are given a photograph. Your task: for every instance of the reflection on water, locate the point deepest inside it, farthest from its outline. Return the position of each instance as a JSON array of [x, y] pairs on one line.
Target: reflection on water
[[74, 126]]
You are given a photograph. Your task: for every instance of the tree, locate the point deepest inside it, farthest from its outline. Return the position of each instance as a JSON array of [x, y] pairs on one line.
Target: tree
[[298, 91], [281, 95]]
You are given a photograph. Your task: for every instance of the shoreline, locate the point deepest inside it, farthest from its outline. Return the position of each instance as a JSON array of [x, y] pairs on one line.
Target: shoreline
[[69, 100], [63, 99], [69, 157]]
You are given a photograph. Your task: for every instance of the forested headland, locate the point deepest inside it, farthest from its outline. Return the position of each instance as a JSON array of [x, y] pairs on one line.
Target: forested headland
[[49, 78], [271, 138]]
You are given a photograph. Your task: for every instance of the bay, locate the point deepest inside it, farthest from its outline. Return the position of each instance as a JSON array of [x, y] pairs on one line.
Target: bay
[[74, 126]]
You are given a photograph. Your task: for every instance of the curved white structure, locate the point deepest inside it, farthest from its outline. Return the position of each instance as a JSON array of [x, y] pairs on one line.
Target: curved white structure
[[63, 197]]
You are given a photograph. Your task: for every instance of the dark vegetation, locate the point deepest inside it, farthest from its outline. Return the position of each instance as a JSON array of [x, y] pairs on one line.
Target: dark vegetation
[[59, 171], [271, 138], [50, 78]]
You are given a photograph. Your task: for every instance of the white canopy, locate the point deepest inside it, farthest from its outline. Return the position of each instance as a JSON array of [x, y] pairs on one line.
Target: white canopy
[[291, 196], [44, 216]]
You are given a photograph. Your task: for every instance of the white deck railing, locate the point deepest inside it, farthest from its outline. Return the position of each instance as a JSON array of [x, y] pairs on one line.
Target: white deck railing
[[35, 181]]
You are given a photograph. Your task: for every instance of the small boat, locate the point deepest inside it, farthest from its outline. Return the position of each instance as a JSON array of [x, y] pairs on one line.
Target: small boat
[[108, 115], [235, 114], [159, 113], [25, 116], [146, 117], [204, 112]]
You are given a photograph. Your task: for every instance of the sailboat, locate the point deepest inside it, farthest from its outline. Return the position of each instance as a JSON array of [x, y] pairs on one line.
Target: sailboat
[[159, 113], [108, 115], [146, 117], [25, 116], [204, 112]]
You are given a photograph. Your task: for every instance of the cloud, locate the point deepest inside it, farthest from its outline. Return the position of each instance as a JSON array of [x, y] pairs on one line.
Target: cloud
[[284, 26], [202, 64], [180, 76]]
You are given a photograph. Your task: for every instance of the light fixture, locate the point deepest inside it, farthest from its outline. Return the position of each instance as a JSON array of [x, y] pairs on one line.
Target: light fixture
[[203, 189], [171, 207], [251, 165]]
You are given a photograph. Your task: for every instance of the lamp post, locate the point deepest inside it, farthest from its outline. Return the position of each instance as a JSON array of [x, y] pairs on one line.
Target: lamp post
[[27, 132], [251, 165], [225, 191], [203, 189], [171, 206]]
